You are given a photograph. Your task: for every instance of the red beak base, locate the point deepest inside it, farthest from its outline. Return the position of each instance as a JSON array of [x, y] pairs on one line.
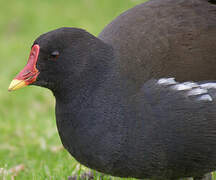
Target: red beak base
[[29, 73]]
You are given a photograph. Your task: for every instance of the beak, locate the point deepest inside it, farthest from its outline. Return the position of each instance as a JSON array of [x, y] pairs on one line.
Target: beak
[[29, 73], [16, 84]]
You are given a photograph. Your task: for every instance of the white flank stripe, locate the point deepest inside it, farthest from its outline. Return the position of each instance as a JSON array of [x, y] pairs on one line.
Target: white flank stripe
[[181, 87], [197, 91], [208, 85], [167, 81], [205, 97]]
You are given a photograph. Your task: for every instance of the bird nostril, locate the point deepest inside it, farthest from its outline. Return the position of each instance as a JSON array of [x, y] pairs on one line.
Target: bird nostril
[[29, 78], [26, 73]]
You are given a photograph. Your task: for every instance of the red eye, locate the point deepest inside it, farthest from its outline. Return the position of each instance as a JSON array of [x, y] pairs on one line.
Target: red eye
[[55, 54]]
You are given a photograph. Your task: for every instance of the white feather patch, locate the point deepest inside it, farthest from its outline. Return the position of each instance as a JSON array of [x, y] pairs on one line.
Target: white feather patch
[[167, 81], [208, 85], [191, 84], [180, 87], [205, 97], [190, 88], [197, 91]]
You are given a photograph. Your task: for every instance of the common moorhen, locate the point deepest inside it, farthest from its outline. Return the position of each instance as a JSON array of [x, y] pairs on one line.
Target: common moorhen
[[119, 109]]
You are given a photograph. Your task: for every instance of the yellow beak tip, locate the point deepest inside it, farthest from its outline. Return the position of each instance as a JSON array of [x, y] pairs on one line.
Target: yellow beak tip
[[16, 84]]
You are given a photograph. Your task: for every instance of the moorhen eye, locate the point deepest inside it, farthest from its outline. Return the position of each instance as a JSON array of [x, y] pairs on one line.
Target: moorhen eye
[[55, 54]]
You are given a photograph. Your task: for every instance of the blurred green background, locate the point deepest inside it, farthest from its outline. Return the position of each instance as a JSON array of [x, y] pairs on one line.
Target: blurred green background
[[30, 147]]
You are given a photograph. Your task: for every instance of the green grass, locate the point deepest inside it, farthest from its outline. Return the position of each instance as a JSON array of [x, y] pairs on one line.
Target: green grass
[[28, 131]]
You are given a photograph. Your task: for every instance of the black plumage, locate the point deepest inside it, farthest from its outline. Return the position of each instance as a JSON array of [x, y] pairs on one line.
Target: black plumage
[[163, 38], [115, 113]]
